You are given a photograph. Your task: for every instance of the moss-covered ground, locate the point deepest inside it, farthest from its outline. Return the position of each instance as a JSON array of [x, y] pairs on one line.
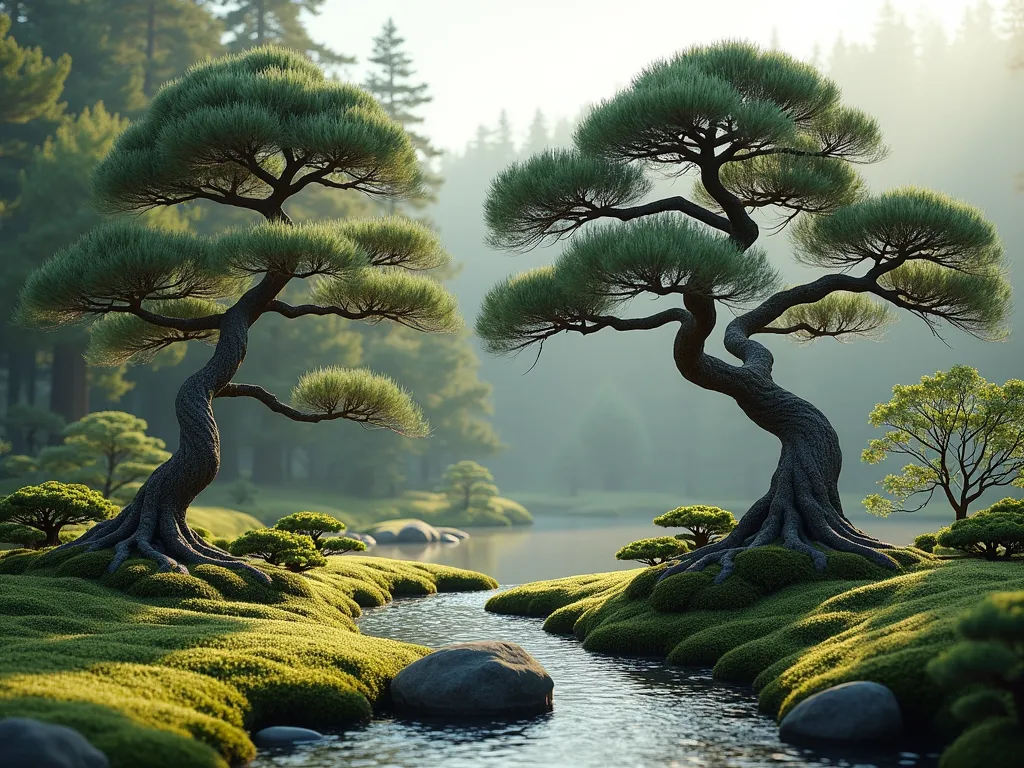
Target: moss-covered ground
[[778, 625], [171, 670]]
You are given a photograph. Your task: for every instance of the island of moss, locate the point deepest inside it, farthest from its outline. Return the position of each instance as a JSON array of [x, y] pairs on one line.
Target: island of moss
[[171, 669], [787, 630]]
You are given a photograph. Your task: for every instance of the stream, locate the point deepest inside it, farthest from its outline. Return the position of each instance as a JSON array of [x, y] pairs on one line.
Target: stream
[[609, 712]]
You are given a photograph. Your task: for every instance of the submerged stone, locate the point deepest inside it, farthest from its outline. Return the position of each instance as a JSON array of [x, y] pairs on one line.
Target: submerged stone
[[851, 712], [27, 743], [483, 679], [283, 735]]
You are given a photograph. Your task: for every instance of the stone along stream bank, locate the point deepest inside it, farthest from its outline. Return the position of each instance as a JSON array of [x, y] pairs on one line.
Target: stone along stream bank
[[608, 712]]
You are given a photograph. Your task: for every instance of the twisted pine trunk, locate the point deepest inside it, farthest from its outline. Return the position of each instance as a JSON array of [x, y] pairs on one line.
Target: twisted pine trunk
[[154, 524], [802, 507]]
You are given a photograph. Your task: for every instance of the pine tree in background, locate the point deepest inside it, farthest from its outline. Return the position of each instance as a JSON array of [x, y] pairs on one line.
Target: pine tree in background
[[760, 130], [172, 35], [258, 22], [54, 210], [537, 137], [248, 131], [30, 83], [391, 83], [105, 67]]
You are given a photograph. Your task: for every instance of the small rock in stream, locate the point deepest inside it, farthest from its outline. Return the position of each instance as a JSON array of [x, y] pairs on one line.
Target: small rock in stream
[[283, 735]]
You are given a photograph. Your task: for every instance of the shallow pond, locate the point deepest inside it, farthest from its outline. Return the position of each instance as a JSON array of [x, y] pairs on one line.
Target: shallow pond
[[609, 712]]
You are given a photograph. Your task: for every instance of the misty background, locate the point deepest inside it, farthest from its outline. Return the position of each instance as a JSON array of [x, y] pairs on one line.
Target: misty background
[[607, 412]]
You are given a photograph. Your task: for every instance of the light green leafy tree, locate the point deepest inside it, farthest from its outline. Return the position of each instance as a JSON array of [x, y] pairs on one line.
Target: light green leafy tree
[[248, 131], [108, 451], [760, 132], [964, 436], [653, 551], [50, 506], [469, 487]]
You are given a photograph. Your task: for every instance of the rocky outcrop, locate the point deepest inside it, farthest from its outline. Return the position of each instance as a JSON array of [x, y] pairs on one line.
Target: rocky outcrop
[[489, 678], [849, 713], [27, 743], [416, 532]]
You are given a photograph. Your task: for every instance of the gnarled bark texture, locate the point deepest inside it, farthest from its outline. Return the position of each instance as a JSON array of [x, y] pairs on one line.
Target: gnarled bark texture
[[154, 522], [802, 506]]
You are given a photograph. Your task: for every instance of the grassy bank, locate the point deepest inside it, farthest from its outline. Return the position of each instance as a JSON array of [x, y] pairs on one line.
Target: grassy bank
[[785, 631], [272, 503], [174, 670]]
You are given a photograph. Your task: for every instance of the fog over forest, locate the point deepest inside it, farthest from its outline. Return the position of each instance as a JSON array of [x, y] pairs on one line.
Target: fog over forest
[[612, 410], [608, 412]]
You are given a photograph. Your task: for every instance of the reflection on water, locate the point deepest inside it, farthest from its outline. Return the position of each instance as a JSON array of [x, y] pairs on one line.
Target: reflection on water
[[571, 545], [608, 712]]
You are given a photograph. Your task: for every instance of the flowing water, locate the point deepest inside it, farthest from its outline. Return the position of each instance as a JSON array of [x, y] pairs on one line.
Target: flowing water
[[609, 712]]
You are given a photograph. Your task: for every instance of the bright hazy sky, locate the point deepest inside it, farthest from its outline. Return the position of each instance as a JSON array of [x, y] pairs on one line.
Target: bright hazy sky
[[480, 56]]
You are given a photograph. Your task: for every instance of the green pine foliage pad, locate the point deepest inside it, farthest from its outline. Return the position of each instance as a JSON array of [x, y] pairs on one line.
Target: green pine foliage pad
[[787, 631], [168, 670]]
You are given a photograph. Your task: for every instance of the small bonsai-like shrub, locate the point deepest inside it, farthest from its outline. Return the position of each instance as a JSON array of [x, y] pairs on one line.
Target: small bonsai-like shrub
[[654, 551], [471, 490], [988, 534], [987, 667], [339, 545], [770, 569], [704, 524], [294, 551], [312, 524], [22, 535], [926, 542], [1005, 505], [50, 506]]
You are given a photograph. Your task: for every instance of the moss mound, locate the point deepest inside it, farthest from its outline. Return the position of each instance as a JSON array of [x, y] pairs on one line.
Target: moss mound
[[789, 635], [770, 569], [170, 670]]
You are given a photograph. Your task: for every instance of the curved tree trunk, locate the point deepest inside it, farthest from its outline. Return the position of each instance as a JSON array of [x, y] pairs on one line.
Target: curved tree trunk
[[153, 524], [802, 507]]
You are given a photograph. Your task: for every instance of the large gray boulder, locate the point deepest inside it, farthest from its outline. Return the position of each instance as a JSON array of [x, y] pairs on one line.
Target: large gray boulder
[[27, 743], [848, 713], [418, 532], [283, 735], [487, 678]]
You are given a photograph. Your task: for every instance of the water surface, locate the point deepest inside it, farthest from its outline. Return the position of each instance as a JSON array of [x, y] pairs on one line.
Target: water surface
[[609, 712]]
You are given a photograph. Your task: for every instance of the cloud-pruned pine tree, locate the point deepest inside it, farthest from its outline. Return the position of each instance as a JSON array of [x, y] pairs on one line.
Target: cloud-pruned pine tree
[[248, 131], [760, 130]]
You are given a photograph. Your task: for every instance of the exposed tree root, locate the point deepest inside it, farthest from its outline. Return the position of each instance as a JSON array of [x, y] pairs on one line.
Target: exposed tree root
[[801, 511]]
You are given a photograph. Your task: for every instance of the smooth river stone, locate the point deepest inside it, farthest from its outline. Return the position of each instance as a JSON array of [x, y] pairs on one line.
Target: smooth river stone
[[283, 735], [852, 712], [482, 679], [27, 743]]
